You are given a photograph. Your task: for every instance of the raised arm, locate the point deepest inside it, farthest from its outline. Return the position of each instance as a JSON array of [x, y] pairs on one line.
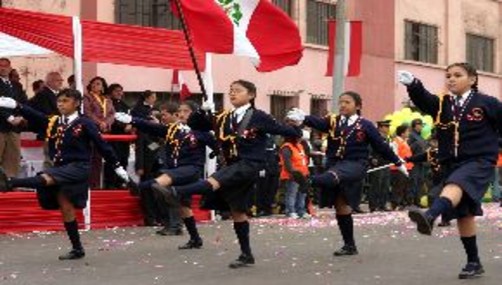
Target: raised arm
[[423, 99]]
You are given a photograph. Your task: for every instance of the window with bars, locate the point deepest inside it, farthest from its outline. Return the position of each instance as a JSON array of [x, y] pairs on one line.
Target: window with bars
[[285, 5], [150, 13], [421, 42], [318, 107], [480, 52], [280, 105], [318, 14]]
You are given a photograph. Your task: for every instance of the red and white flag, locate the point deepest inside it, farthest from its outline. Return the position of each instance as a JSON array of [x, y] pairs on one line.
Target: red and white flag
[[253, 28], [354, 50], [179, 85]]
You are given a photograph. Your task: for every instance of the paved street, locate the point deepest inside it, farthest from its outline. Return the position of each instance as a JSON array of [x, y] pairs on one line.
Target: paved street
[[287, 252]]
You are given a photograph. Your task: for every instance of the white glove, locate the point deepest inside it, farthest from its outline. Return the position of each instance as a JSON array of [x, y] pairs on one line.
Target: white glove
[[122, 173], [296, 114], [207, 106], [262, 173], [405, 77], [7, 102], [403, 170], [123, 117]]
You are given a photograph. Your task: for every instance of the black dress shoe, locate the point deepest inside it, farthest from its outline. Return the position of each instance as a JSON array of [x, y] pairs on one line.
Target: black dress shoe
[[243, 260], [168, 194], [73, 254], [471, 270], [170, 232], [4, 182], [346, 250], [191, 244], [424, 223]]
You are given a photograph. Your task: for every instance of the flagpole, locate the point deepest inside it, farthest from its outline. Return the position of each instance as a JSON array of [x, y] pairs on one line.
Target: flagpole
[[208, 79], [191, 50], [77, 71], [339, 58]]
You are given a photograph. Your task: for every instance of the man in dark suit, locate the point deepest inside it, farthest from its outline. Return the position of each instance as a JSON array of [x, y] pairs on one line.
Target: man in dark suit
[[45, 102], [379, 189], [418, 145], [10, 121]]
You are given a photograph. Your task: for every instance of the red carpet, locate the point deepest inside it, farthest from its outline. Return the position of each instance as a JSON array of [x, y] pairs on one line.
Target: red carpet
[[20, 212]]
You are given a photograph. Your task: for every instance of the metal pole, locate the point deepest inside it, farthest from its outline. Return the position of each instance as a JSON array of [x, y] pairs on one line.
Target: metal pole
[[190, 49], [339, 58], [77, 71]]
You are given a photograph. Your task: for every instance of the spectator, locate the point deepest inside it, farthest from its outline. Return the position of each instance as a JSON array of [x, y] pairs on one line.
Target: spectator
[[378, 192], [71, 82], [399, 182], [418, 145], [147, 148], [122, 149], [268, 183], [45, 101], [294, 173], [99, 109], [15, 77], [10, 121], [37, 86]]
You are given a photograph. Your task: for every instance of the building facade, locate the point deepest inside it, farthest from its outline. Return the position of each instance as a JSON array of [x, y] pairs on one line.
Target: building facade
[[420, 36]]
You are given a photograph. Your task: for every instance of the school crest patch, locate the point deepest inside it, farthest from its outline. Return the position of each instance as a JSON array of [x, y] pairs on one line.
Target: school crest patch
[[476, 115]]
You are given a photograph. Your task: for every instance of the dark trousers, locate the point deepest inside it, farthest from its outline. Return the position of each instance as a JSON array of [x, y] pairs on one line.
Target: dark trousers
[[400, 185], [266, 191], [169, 216], [122, 150], [153, 210], [417, 176], [378, 192]]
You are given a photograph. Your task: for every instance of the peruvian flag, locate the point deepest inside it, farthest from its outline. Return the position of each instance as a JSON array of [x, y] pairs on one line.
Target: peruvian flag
[[253, 28], [179, 85], [354, 50]]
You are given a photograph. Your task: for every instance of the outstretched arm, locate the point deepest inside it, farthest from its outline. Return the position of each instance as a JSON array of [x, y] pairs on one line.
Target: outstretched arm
[[37, 120], [150, 128], [320, 124], [269, 125]]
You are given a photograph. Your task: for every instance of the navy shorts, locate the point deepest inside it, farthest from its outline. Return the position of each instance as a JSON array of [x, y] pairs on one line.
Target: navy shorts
[[72, 179], [237, 181], [347, 172], [183, 175], [474, 177]]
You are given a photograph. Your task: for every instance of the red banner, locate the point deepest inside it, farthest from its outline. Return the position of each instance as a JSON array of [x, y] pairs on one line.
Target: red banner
[[102, 42]]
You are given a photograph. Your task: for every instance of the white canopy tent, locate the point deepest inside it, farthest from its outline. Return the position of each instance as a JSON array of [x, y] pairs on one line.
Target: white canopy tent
[[11, 46]]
